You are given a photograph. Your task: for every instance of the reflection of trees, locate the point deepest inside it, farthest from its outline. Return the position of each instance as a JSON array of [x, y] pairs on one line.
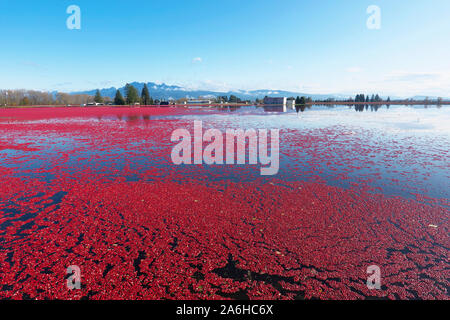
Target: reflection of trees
[[132, 119], [361, 107], [273, 108], [233, 108], [300, 108]]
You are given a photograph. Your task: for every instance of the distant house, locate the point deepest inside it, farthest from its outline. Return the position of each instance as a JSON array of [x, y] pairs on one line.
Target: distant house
[[290, 103], [281, 101], [198, 102]]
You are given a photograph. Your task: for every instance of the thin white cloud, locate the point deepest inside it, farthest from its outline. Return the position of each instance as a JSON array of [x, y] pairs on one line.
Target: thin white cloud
[[210, 85], [404, 84], [197, 60], [354, 70], [412, 76], [31, 64]]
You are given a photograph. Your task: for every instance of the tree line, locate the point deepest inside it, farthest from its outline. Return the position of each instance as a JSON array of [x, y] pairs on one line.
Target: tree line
[[374, 98], [131, 96], [302, 100], [33, 97], [23, 97]]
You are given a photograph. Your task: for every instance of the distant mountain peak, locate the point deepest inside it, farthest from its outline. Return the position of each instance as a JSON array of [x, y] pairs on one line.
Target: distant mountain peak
[[165, 91]]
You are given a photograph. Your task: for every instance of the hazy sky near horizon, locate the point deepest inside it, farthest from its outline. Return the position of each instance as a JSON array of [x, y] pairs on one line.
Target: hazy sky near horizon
[[305, 46]]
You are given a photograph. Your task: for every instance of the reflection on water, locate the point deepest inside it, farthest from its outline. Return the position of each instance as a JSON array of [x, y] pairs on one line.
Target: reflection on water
[[386, 117], [361, 139]]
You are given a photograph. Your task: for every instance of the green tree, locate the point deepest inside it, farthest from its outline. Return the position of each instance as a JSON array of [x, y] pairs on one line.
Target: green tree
[[132, 95], [233, 99], [302, 100], [145, 96], [98, 97], [118, 99]]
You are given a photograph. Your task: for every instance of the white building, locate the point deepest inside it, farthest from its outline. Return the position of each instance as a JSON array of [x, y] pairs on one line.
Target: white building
[[291, 103], [199, 102], [281, 101]]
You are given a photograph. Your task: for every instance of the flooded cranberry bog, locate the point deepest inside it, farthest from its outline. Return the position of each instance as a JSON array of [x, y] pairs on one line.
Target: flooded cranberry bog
[[96, 188]]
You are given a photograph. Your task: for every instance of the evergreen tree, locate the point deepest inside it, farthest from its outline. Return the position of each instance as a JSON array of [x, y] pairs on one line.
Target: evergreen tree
[[98, 97], [233, 99], [360, 98], [132, 95], [118, 99], [145, 96]]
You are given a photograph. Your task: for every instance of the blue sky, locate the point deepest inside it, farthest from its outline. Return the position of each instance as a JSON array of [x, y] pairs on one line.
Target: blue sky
[[307, 46]]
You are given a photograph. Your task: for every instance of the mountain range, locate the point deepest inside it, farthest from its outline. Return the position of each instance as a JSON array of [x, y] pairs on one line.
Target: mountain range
[[165, 92]]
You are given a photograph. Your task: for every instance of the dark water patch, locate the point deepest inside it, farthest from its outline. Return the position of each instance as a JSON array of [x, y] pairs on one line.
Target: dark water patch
[[174, 244], [108, 268], [231, 271], [137, 263]]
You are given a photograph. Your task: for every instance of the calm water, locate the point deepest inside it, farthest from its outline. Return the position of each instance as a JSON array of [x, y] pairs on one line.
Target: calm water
[[399, 150]]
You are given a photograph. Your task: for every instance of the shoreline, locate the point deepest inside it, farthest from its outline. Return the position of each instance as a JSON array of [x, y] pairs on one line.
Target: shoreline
[[315, 103]]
